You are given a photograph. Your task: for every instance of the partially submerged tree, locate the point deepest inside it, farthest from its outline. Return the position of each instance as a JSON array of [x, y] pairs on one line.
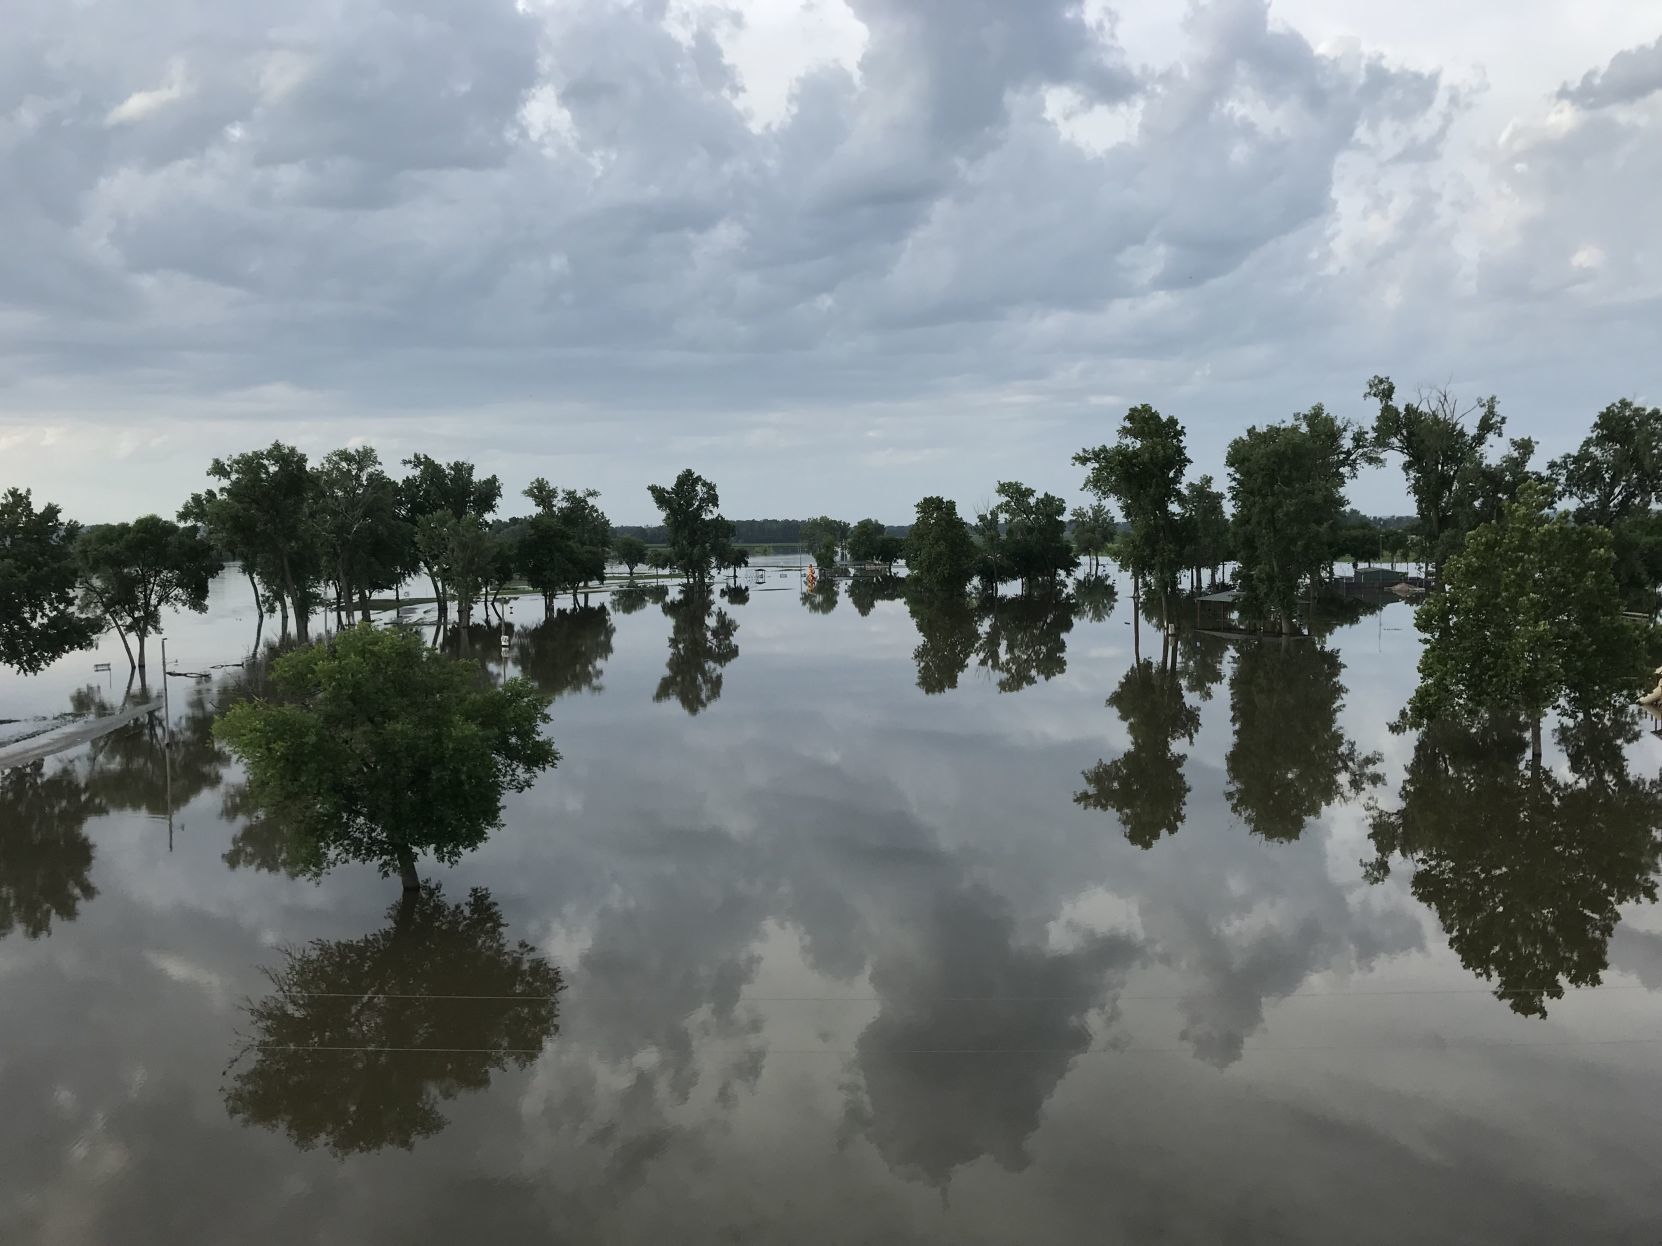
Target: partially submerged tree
[[940, 552], [565, 543], [130, 573], [1205, 530], [1442, 448], [366, 544], [630, 551], [1614, 480], [1092, 530], [377, 749], [443, 491], [1287, 483], [698, 535], [1143, 472], [38, 620], [262, 514], [1530, 620], [1026, 537]]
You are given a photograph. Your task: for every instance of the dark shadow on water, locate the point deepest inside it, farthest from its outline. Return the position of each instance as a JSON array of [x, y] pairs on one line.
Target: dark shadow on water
[[701, 644]]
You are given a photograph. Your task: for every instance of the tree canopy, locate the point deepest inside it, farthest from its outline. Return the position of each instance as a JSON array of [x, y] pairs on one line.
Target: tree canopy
[[38, 619], [940, 552], [130, 573], [698, 536], [1530, 619], [377, 749], [1143, 472]]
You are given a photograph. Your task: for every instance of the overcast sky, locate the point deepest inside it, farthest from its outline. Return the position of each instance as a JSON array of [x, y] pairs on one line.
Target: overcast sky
[[835, 254]]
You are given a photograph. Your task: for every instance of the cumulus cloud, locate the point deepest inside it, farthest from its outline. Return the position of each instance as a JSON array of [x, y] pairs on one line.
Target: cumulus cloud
[[617, 230]]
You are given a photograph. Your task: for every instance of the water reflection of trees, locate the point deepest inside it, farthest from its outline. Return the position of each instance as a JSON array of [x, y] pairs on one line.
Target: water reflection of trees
[[1019, 641], [567, 650], [1025, 639], [632, 598], [1145, 786], [823, 597], [701, 643], [361, 1039], [865, 591], [1525, 869], [45, 858], [1289, 759]]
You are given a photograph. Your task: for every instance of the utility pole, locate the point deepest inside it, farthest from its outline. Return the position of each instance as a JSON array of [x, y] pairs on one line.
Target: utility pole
[[167, 712]]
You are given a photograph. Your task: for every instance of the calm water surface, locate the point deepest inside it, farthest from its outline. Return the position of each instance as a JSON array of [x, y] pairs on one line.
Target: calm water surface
[[837, 925]]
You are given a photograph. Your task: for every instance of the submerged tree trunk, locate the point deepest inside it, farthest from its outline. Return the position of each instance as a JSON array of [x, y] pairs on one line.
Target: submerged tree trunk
[[1535, 743], [407, 871], [283, 607], [141, 638], [259, 602], [363, 604]]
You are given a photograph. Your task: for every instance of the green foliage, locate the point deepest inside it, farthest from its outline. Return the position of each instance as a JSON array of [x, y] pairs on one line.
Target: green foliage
[[1442, 458], [45, 858], [1286, 482], [1092, 529], [825, 555], [435, 500], [698, 536], [1614, 479], [460, 554], [630, 551], [365, 542], [1024, 537], [263, 515], [1145, 787], [1525, 870], [1206, 534], [1530, 619], [131, 572], [864, 541], [940, 552], [361, 1039], [701, 644], [38, 620], [378, 749], [821, 529], [1289, 759], [1143, 472], [565, 543]]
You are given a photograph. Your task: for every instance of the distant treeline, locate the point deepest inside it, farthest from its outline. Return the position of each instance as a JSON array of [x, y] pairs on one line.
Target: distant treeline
[[746, 531]]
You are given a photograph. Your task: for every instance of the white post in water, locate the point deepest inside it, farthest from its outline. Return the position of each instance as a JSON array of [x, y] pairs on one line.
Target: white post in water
[[167, 713]]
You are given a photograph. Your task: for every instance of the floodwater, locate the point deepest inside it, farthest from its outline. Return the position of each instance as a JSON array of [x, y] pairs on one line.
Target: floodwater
[[836, 925]]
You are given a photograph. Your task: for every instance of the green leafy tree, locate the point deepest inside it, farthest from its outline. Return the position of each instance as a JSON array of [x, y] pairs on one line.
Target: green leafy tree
[[1206, 530], [565, 542], [130, 573], [1287, 484], [1525, 869], [262, 514], [38, 619], [825, 556], [630, 551], [1614, 480], [1145, 787], [1442, 451], [377, 749], [698, 535], [1289, 759], [1143, 472], [822, 529], [360, 1040], [1025, 534], [366, 543], [449, 491], [460, 554], [1530, 620], [734, 559], [890, 550], [45, 857], [864, 541], [1093, 531], [940, 552], [701, 644]]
